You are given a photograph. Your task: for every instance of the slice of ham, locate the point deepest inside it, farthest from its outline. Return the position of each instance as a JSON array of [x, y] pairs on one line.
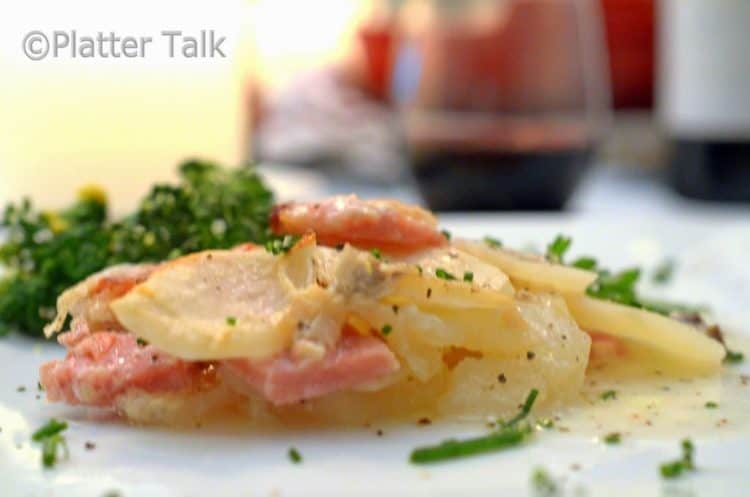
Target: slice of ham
[[357, 360], [104, 365], [387, 225]]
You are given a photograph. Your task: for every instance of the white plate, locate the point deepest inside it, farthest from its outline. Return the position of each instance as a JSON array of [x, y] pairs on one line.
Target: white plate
[[712, 267]]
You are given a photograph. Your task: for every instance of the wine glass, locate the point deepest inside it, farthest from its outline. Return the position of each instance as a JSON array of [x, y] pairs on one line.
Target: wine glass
[[503, 101]]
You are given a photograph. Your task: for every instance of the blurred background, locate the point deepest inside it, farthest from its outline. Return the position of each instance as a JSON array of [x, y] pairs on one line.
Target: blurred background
[[464, 105]]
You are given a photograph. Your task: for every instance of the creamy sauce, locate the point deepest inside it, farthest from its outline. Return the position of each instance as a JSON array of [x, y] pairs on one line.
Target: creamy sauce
[[652, 403]]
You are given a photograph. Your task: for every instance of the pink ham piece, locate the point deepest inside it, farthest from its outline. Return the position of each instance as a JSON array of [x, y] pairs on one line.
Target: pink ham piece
[[357, 360], [101, 366], [387, 225]]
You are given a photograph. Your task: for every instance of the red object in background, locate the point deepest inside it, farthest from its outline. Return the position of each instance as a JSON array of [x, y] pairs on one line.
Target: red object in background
[[377, 43], [629, 26]]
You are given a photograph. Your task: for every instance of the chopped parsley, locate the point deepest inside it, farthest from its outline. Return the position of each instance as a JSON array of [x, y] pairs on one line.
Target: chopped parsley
[[608, 395], [443, 274], [52, 440], [281, 245], [386, 329], [46, 252], [673, 469], [294, 455], [618, 287], [141, 342], [419, 268], [509, 434], [664, 272], [446, 234], [711, 405], [613, 438], [231, 320], [376, 254], [468, 276], [492, 242], [556, 250], [543, 484]]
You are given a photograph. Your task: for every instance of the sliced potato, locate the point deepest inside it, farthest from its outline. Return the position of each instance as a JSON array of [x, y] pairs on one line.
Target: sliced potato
[[184, 306], [668, 336], [531, 271]]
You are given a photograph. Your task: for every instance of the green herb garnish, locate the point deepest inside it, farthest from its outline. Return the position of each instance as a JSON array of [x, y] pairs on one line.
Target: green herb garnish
[[608, 395], [587, 263], [543, 484], [556, 250], [468, 276], [231, 320], [386, 329], [141, 342], [492, 242], [52, 440], [443, 274], [294, 455], [509, 434], [47, 252], [546, 423], [676, 468], [281, 245], [664, 272], [711, 405], [733, 357], [613, 438], [446, 234]]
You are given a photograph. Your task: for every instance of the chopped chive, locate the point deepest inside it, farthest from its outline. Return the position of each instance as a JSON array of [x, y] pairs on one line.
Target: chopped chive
[[39, 386], [663, 272], [525, 408], [613, 438], [711, 404], [673, 469], [492, 242], [386, 329], [231, 320], [376, 254], [733, 357], [446, 234], [543, 483], [608, 395], [52, 427], [509, 434], [141, 342], [52, 441], [294, 455], [453, 449], [443, 274], [419, 268], [468, 276]]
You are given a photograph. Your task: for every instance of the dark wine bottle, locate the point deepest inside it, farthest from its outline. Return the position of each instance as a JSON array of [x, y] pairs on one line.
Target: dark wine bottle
[[704, 99]]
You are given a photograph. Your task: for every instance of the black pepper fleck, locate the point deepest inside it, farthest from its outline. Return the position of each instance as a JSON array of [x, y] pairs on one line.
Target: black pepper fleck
[[379, 433], [424, 421], [395, 309], [89, 445], [530, 355], [21, 388], [501, 378], [429, 293]]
